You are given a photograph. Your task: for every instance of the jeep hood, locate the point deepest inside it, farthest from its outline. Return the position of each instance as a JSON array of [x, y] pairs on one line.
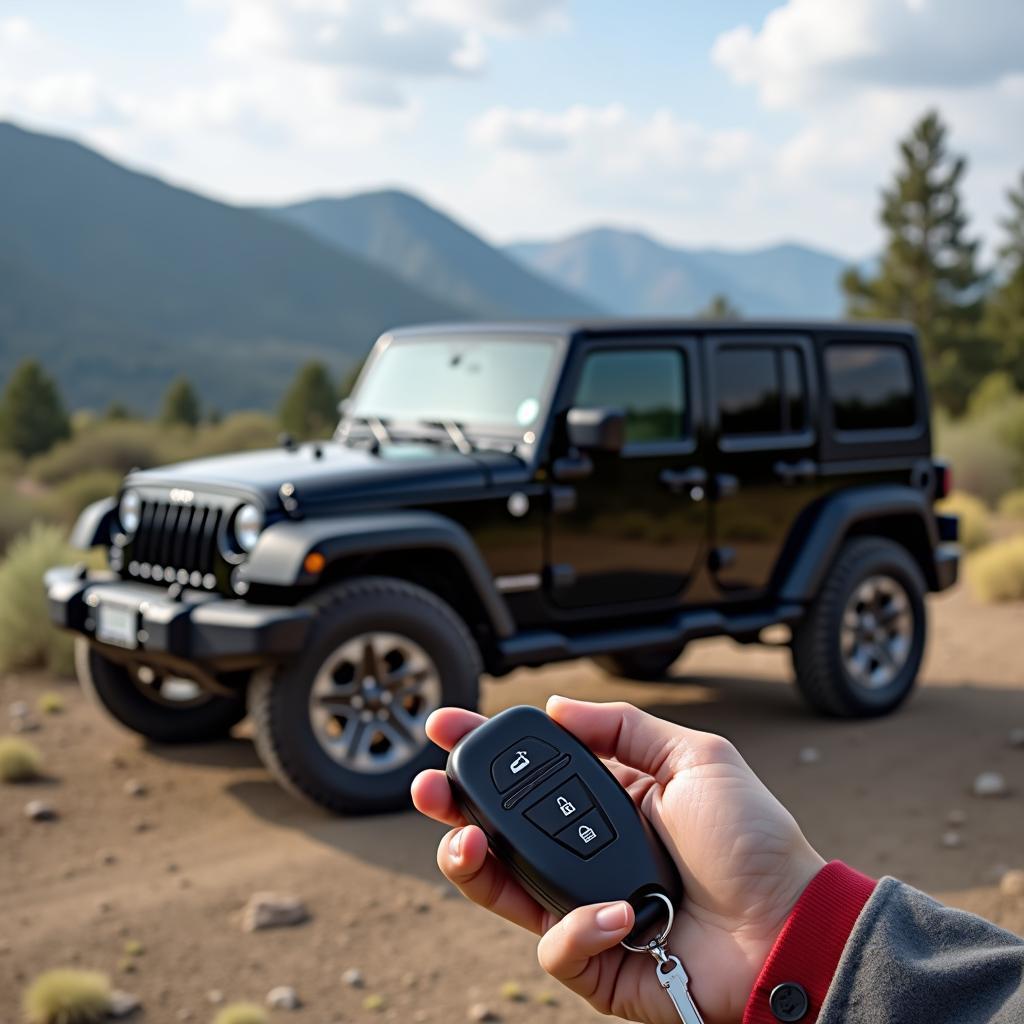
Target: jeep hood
[[394, 473]]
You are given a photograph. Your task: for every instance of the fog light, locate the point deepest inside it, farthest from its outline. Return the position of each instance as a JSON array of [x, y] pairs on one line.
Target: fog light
[[239, 584]]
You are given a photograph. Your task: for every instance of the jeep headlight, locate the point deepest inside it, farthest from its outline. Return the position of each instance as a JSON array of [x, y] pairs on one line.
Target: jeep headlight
[[248, 524], [129, 511]]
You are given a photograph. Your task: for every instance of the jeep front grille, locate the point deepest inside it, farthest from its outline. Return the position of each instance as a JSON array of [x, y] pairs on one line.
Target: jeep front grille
[[176, 543]]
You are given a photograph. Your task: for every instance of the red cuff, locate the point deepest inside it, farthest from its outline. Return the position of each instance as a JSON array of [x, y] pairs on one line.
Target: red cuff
[[808, 948]]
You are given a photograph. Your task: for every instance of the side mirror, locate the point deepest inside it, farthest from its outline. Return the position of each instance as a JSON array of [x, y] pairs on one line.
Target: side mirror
[[597, 430]]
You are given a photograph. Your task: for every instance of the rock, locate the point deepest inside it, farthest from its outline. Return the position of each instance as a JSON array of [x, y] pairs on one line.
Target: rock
[[481, 1013], [989, 784], [25, 725], [142, 825], [40, 810], [123, 1004], [956, 818], [951, 840], [133, 787], [117, 761], [1012, 883], [108, 857], [1017, 737], [809, 755], [215, 997], [353, 977], [283, 997], [273, 910]]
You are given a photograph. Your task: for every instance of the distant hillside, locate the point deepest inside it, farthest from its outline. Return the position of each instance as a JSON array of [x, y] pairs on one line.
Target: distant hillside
[[434, 253], [118, 281], [639, 276]]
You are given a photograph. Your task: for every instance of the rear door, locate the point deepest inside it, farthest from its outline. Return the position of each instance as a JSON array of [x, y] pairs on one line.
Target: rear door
[[632, 531], [763, 396]]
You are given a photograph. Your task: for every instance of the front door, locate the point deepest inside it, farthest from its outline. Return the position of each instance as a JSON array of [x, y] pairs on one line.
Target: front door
[[630, 532]]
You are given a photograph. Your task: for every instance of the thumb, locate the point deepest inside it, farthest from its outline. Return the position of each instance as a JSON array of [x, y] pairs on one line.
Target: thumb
[[626, 733], [567, 951]]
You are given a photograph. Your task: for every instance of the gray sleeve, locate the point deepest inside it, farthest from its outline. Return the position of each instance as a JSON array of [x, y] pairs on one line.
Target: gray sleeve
[[910, 960]]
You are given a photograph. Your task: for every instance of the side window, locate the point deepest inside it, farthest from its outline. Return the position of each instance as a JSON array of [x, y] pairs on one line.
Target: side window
[[871, 386], [761, 390], [649, 384]]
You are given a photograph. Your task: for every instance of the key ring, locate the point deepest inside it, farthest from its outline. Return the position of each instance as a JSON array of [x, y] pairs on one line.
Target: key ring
[[658, 942]]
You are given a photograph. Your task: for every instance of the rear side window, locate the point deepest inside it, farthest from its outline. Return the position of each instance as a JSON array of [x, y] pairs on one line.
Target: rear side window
[[871, 385], [761, 390], [649, 384]]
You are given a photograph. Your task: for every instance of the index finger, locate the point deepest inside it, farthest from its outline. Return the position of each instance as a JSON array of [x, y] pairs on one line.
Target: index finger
[[447, 726]]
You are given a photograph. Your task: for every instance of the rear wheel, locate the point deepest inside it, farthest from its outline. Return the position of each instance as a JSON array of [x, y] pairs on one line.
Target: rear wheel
[[343, 725], [644, 664], [858, 651], [155, 703]]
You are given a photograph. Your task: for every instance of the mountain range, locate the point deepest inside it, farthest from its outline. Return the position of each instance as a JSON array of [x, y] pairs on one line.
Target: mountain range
[[117, 281]]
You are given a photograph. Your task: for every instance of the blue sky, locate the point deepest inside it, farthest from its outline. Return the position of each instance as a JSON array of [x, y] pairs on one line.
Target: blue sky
[[732, 124]]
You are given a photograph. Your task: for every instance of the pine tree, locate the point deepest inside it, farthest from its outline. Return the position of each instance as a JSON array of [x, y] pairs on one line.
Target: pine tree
[[928, 272], [181, 404], [32, 415], [310, 407], [1004, 312], [719, 308]]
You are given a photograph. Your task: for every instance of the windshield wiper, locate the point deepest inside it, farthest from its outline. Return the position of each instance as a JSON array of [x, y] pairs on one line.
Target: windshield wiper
[[458, 438], [376, 425]]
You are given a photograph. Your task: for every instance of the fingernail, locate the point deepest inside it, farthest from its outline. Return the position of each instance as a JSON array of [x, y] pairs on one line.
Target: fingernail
[[612, 918], [455, 844]]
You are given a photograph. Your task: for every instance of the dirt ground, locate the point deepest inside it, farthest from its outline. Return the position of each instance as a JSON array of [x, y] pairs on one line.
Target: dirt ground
[[172, 869]]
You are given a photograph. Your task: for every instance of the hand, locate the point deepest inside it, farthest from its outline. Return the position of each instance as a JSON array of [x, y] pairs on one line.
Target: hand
[[743, 860]]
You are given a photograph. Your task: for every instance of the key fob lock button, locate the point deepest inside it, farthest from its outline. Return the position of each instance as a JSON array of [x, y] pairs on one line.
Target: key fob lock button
[[565, 803]]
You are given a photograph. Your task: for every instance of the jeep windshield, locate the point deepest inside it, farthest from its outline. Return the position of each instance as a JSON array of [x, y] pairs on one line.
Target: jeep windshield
[[489, 384]]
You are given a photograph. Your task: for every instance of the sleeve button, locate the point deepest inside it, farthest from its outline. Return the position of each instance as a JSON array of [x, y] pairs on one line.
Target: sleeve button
[[788, 1001]]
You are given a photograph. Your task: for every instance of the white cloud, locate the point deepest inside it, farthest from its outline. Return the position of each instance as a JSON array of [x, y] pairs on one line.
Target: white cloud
[[15, 30], [807, 49]]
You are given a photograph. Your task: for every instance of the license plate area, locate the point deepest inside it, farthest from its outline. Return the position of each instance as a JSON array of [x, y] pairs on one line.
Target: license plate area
[[117, 625]]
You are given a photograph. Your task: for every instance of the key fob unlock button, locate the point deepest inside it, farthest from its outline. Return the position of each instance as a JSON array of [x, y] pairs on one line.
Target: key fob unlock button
[[520, 760]]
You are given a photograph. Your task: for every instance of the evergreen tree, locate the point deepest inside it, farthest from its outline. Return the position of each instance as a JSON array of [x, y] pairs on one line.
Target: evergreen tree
[[719, 308], [1004, 313], [348, 382], [310, 407], [32, 415], [181, 404], [928, 273]]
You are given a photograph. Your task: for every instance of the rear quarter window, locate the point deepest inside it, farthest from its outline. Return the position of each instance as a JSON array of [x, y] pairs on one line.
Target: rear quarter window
[[871, 386]]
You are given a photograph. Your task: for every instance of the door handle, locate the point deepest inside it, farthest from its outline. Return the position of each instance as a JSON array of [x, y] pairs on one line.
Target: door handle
[[679, 480], [791, 472]]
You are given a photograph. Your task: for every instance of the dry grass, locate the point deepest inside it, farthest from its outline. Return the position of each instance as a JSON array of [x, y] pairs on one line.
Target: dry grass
[[68, 996], [1011, 504], [20, 761], [996, 572], [975, 522], [242, 1013]]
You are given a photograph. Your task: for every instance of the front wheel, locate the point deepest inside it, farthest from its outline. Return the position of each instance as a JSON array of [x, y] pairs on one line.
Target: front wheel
[[858, 651], [157, 704], [343, 725]]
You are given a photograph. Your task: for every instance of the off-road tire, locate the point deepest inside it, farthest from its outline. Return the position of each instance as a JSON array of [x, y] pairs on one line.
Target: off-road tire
[[279, 699], [645, 665], [821, 675], [110, 686]]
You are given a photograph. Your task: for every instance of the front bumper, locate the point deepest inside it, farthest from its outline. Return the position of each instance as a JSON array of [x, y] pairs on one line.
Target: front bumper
[[197, 626]]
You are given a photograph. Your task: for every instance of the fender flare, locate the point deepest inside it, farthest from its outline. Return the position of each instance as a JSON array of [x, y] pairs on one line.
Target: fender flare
[[277, 560], [836, 516], [92, 527]]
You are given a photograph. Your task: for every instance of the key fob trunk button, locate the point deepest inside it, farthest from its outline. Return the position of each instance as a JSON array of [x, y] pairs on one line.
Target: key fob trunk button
[[519, 761], [587, 835], [565, 803]]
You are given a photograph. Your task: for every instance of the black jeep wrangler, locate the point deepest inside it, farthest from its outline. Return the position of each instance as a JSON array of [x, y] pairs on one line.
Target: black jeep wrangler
[[516, 494]]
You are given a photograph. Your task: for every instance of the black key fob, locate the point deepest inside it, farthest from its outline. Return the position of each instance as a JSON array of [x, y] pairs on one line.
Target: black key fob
[[560, 820]]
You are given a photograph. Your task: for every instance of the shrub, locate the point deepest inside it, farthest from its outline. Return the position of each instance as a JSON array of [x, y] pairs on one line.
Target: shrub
[[27, 639], [242, 1013], [20, 761], [983, 459], [68, 996], [116, 446], [16, 514], [239, 432], [64, 502], [996, 572], [975, 527], [1011, 504], [50, 703]]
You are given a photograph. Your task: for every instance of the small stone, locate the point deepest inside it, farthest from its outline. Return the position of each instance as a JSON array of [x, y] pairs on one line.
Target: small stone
[[1016, 737], [123, 1004], [25, 725], [133, 787], [273, 910], [445, 891], [108, 858], [481, 1013], [172, 868], [951, 840], [40, 810], [546, 998], [184, 1014], [809, 755], [117, 761], [215, 997], [18, 709], [283, 997], [104, 906], [989, 784], [1012, 883], [142, 825], [353, 977], [409, 980], [956, 818]]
